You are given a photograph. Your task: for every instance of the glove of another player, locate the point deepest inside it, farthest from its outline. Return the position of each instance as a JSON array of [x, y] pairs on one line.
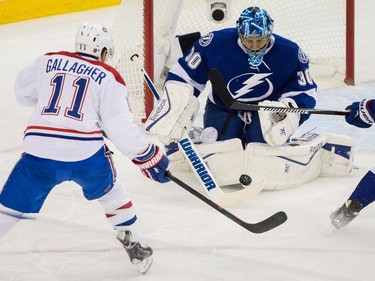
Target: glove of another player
[[361, 114], [153, 163]]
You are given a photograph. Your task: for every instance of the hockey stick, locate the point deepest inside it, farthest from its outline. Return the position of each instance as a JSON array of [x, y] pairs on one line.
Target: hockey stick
[[226, 97], [199, 167], [271, 222]]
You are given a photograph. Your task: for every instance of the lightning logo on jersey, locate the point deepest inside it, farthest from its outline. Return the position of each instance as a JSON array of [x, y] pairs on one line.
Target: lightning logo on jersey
[[249, 82]]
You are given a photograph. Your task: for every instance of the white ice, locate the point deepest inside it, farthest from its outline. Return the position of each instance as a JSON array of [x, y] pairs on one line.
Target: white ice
[[71, 240]]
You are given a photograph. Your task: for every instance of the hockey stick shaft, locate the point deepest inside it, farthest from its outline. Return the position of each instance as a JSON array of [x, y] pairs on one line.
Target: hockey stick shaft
[[260, 227], [226, 97], [150, 84]]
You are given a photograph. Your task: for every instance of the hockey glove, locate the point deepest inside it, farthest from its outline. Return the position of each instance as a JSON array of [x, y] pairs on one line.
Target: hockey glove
[[277, 127], [362, 113], [153, 163]]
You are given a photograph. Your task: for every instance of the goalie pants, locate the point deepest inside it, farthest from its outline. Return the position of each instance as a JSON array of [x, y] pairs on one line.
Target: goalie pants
[[33, 178], [229, 125]]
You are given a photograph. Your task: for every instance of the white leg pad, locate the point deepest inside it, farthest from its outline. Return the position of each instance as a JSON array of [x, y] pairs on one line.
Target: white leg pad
[[225, 159], [286, 166], [337, 156], [280, 167]]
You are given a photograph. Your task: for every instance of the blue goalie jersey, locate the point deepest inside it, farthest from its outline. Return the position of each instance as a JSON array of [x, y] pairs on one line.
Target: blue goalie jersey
[[284, 72]]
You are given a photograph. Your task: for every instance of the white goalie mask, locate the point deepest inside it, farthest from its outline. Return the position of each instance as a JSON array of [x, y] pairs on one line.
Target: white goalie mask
[[92, 38]]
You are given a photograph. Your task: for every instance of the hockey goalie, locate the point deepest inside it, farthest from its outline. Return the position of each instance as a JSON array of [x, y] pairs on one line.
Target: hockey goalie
[[297, 161], [258, 67]]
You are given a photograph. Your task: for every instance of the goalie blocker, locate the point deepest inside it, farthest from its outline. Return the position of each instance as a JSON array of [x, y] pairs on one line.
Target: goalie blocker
[[294, 163], [176, 110]]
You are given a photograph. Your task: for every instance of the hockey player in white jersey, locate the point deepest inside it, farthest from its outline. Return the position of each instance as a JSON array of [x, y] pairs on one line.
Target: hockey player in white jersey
[[362, 115], [77, 97]]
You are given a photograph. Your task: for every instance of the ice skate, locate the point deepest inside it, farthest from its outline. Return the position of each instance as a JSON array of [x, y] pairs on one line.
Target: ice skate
[[140, 255], [346, 213]]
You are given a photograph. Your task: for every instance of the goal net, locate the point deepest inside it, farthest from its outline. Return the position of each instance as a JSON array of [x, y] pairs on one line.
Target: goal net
[[323, 29]]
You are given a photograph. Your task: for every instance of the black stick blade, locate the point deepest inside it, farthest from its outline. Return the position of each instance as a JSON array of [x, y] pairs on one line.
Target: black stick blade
[[260, 227], [220, 88], [267, 224]]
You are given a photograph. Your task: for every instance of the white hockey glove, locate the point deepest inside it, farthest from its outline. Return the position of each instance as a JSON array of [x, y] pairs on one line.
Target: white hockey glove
[[175, 111], [278, 127]]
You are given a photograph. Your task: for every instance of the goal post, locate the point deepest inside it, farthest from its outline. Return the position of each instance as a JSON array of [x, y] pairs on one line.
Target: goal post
[[148, 23], [323, 28], [350, 43]]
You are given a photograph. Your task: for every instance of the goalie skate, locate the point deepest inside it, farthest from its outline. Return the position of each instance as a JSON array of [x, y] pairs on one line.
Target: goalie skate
[[346, 213], [140, 255]]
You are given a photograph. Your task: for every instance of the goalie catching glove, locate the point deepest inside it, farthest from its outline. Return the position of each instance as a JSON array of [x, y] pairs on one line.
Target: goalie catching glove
[[362, 113], [153, 163], [277, 127]]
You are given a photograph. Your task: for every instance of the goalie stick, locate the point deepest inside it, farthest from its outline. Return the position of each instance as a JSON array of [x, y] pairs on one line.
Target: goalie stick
[[269, 223], [226, 97], [199, 167]]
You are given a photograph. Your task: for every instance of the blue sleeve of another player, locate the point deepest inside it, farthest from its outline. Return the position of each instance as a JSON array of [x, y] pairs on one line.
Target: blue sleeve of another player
[[371, 108], [365, 190], [191, 69]]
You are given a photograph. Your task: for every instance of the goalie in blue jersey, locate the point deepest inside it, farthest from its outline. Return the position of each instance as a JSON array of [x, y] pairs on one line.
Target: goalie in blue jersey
[[259, 67]]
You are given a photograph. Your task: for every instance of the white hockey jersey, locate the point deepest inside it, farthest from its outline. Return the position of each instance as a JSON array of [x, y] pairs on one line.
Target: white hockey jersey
[[75, 99]]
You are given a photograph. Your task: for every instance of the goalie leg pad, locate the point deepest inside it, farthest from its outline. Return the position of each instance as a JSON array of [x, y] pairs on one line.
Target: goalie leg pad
[[337, 156], [286, 166], [225, 159], [175, 111]]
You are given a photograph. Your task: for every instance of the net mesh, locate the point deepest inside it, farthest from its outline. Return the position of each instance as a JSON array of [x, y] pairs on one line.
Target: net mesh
[[318, 26]]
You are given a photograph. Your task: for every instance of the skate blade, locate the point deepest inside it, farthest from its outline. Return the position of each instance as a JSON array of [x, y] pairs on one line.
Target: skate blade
[[145, 265]]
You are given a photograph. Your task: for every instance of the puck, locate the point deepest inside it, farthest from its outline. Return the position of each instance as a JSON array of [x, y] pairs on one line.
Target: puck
[[245, 180]]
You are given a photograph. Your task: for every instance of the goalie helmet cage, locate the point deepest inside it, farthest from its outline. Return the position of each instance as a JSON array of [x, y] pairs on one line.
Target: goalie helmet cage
[[323, 28]]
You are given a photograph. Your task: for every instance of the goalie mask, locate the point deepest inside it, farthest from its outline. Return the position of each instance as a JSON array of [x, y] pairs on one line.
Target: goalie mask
[[255, 28], [91, 39]]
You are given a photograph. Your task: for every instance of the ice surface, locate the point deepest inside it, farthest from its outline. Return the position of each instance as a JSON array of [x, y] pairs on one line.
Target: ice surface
[[71, 239]]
